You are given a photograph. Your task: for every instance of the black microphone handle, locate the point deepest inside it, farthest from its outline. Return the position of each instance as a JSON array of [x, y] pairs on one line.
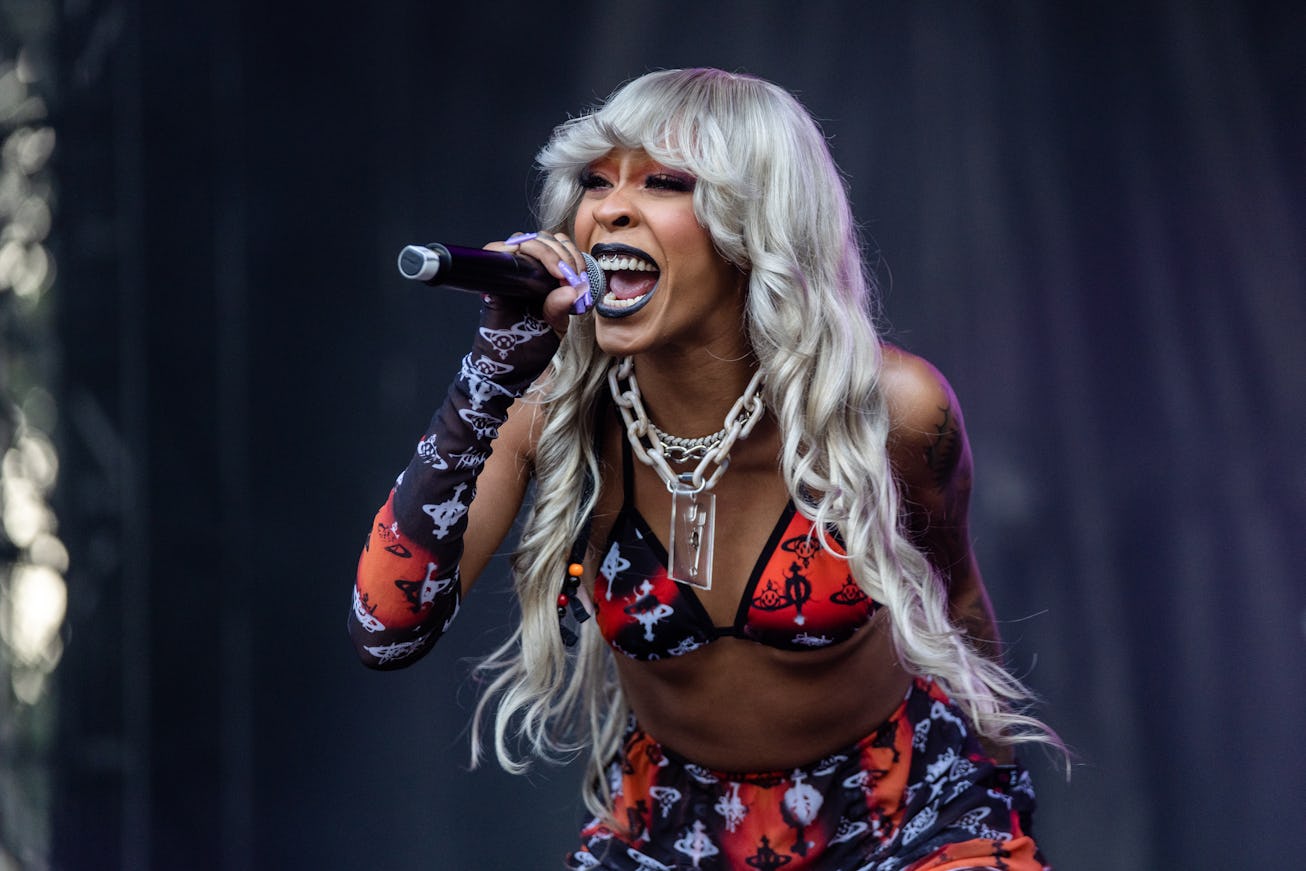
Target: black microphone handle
[[475, 270]]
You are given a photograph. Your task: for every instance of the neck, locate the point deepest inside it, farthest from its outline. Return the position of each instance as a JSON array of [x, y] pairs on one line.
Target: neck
[[688, 394]]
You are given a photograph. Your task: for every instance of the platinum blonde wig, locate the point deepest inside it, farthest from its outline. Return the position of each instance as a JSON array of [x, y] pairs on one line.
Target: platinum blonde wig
[[776, 206]]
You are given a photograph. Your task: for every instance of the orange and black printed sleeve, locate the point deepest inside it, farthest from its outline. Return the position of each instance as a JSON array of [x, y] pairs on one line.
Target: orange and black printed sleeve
[[407, 588]]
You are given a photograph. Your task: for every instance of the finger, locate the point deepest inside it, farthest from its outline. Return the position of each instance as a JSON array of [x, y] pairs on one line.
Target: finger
[[549, 251], [555, 244], [507, 245], [561, 306], [560, 257], [584, 299], [575, 259], [512, 243], [564, 261]]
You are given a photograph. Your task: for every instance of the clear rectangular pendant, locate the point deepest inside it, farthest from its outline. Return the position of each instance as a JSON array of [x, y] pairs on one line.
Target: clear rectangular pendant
[[693, 526]]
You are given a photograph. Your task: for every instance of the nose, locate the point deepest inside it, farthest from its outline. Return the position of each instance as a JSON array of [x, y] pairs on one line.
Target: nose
[[616, 210]]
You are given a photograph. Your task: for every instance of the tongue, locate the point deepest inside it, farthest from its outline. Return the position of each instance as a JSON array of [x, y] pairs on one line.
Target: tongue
[[631, 284]]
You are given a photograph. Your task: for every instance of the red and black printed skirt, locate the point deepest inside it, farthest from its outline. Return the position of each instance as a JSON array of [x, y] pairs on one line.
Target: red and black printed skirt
[[916, 794]]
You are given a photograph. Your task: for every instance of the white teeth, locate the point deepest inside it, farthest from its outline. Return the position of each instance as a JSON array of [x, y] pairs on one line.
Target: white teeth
[[611, 301], [609, 263]]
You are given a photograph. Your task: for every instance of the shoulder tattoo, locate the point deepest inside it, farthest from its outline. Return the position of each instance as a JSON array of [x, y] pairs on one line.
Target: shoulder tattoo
[[943, 448]]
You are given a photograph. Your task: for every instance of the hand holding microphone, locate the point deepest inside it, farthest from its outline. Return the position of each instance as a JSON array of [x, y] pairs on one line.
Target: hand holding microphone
[[515, 268]]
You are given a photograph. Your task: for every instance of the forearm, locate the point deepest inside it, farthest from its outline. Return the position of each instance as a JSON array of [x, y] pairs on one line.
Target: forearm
[[408, 588], [972, 612]]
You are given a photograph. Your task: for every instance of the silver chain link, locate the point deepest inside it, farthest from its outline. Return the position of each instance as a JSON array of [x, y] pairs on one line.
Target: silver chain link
[[647, 440], [680, 450]]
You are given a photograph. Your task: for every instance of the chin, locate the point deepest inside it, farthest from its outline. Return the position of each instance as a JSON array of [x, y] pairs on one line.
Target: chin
[[615, 341]]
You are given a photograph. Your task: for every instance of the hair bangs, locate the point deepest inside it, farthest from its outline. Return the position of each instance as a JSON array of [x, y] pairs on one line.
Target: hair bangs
[[680, 118]]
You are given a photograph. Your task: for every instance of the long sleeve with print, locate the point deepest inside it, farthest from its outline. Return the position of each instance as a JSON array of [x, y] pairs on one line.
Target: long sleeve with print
[[407, 590]]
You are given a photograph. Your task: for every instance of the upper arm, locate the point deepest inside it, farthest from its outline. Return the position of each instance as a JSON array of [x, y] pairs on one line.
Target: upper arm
[[933, 467], [930, 454], [500, 489]]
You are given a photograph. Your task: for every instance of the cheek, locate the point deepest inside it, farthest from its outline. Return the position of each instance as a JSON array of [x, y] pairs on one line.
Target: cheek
[[709, 268], [582, 228], [698, 252]]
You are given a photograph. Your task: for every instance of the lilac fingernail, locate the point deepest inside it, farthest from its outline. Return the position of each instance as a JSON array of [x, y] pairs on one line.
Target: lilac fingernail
[[572, 278], [518, 238], [583, 303]]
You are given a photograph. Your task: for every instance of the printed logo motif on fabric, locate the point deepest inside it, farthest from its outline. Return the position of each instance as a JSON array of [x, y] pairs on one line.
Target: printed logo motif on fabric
[[471, 458], [766, 858], [420, 594], [794, 592], [973, 822], [648, 610], [429, 453], [849, 594], [613, 565], [666, 797], [696, 843], [445, 514], [732, 808], [849, 830], [503, 341], [795, 589], [646, 863], [399, 650], [366, 616], [802, 802], [478, 376], [485, 425], [921, 822]]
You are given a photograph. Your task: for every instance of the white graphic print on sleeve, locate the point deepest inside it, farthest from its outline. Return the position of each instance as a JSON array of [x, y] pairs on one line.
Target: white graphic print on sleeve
[[399, 650], [428, 450], [523, 331], [446, 513], [485, 425], [479, 386], [365, 616], [433, 586], [470, 459]]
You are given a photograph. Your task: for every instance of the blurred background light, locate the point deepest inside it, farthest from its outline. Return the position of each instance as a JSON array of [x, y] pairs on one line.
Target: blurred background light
[[33, 559]]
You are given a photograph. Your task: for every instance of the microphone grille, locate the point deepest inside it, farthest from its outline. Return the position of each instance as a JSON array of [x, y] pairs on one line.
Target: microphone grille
[[598, 281]]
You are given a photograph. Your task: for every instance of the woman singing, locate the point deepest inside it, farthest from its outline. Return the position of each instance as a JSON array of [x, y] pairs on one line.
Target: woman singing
[[792, 662]]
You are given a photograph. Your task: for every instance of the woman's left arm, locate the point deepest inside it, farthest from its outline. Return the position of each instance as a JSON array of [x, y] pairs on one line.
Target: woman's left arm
[[932, 464]]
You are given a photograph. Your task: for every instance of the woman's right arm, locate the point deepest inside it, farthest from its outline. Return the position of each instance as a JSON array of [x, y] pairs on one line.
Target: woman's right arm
[[430, 540]]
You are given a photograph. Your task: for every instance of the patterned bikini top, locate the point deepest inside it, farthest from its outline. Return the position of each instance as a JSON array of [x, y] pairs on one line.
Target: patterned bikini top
[[798, 597]]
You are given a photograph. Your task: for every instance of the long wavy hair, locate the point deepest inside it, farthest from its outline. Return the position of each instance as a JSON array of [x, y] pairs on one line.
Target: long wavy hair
[[776, 206]]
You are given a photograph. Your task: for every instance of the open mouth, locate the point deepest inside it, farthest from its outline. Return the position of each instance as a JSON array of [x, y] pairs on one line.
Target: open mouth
[[632, 278]]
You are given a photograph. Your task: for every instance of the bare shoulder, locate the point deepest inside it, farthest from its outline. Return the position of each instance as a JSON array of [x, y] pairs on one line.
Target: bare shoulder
[[915, 392], [927, 436]]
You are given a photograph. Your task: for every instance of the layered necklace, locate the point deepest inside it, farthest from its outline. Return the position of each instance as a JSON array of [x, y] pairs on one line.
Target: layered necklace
[[693, 504]]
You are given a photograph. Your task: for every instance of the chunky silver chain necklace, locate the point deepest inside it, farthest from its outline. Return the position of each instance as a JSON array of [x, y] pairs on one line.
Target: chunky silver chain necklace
[[680, 450], [693, 505]]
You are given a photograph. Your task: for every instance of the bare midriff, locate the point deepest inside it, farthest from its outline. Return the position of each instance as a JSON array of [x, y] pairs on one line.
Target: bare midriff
[[736, 705]]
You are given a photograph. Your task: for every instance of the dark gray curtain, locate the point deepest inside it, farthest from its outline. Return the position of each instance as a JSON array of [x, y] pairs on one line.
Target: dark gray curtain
[[1090, 217]]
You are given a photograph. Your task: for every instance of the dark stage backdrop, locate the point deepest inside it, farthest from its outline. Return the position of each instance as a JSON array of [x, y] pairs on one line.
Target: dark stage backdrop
[[1091, 217]]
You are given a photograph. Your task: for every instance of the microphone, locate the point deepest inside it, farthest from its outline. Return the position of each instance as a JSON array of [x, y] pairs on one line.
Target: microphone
[[497, 273]]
